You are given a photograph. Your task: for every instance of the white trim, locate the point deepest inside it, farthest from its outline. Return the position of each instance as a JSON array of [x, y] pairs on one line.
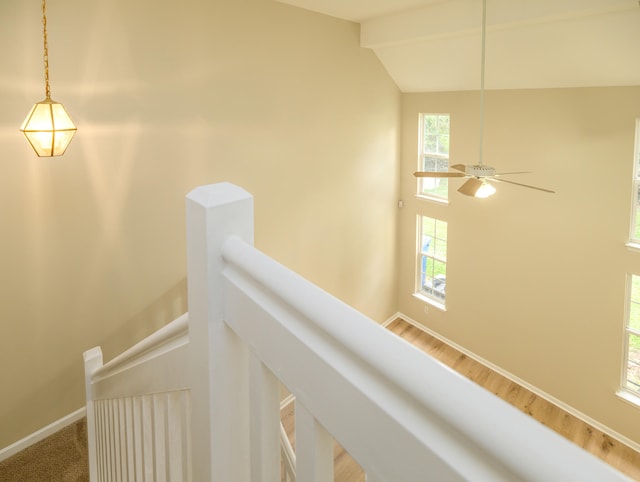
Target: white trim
[[634, 243], [424, 197], [390, 320], [41, 434], [633, 246], [628, 397], [430, 301], [549, 398], [162, 341]]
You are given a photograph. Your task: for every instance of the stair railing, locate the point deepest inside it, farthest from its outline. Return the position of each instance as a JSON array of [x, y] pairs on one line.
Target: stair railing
[[254, 325], [399, 413]]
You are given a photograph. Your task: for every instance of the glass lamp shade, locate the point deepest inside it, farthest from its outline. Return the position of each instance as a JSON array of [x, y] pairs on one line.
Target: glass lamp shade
[[48, 128], [485, 190], [476, 187]]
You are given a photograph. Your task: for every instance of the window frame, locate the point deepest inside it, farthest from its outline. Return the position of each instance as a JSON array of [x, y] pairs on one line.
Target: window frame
[[634, 241], [422, 154], [626, 391], [630, 394], [419, 291]]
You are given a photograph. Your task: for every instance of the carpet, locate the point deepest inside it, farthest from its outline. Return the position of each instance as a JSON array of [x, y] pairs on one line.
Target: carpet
[[61, 457]]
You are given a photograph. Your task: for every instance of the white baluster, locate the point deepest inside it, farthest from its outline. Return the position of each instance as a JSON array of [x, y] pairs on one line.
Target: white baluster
[[121, 424], [160, 437], [175, 435], [186, 439], [314, 448], [100, 441], [147, 438], [106, 440], [92, 361], [114, 465], [129, 423], [264, 392], [137, 438]]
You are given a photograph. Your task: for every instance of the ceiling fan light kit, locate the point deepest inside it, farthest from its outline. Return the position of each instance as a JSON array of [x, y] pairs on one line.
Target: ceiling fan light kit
[[477, 188], [478, 175]]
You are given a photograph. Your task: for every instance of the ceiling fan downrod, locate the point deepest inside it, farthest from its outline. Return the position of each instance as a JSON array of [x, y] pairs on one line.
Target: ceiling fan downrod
[[482, 61]]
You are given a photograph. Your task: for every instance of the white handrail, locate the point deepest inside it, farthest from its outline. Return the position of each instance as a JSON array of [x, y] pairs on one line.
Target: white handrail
[[498, 430], [136, 354]]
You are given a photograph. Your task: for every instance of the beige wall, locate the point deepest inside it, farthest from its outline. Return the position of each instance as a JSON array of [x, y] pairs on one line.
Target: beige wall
[[536, 282], [284, 103], [168, 96]]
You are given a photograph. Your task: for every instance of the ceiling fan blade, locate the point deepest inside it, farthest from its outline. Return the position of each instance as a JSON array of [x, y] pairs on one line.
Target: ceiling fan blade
[[438, 174], [459, 167], [470, 187], [518, 172], [525, 185]]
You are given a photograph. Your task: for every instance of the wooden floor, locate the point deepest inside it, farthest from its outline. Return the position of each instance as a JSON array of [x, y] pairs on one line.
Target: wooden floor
[[591, 439]]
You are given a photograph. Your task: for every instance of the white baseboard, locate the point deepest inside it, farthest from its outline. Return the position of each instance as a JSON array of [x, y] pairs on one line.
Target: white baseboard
[[559, 403], [41, 434], [393, 317]]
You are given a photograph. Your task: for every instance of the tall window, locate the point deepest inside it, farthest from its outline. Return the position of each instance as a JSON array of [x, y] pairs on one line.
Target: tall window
[[631, 368], [634, 235], [432, 258], [632, 365], [434, 154]]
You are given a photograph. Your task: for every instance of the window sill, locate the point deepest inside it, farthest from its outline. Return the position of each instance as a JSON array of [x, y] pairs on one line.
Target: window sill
[[430, 301], [633, 246], [629, 397], [439, 200]]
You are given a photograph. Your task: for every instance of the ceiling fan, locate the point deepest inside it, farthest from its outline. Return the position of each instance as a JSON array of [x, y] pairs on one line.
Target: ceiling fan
[[478, 175]]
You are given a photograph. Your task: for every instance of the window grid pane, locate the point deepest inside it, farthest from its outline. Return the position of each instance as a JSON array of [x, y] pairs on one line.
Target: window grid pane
[[634, 234], [632, 368], [633, 364], [432, 258], [634, 316], [435, 155]]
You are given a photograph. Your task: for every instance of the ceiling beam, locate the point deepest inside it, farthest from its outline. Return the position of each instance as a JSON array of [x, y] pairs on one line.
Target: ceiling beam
[[456, 18]]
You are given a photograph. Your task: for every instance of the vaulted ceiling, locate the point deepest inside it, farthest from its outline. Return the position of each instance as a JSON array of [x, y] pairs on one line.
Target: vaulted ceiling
[[435, 45]]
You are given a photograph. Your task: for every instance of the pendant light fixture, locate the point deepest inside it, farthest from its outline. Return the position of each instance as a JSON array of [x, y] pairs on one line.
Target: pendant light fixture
[[48, 127]]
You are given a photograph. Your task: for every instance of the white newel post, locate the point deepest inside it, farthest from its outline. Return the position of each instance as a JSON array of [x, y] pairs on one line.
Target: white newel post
[[92, 361], [218, 361]]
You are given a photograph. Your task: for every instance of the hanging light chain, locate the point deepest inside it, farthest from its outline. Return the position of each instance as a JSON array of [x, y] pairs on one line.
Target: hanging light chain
[[46, 49], [48, 127]]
